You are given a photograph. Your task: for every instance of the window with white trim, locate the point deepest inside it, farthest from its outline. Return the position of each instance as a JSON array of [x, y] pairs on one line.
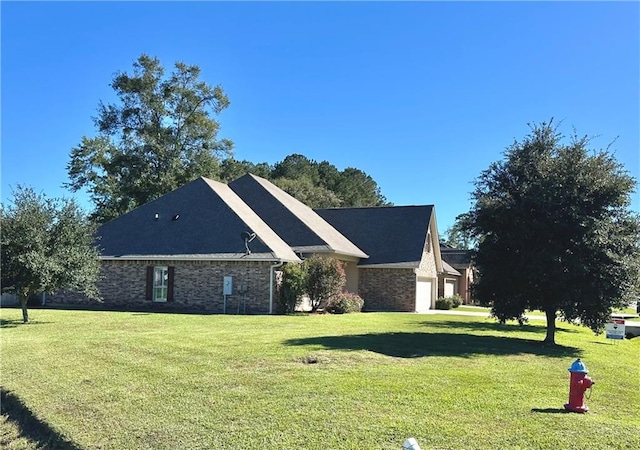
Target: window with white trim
[[160, 283]]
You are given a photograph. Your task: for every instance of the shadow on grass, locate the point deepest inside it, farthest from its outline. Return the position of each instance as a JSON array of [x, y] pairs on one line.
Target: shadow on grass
[[494, 325], [417, 345], [30, 426], [550, 410], [159, 308], [6, 323]]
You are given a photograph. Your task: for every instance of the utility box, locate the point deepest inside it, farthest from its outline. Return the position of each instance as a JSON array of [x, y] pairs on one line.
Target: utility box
[[227, 286]]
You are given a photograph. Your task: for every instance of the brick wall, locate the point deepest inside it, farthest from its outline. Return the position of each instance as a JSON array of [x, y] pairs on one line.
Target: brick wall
[[388, 289], [197, 286], [395, 289]]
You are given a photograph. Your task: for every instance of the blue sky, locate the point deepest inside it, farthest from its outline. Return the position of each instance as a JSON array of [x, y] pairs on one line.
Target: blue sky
[[422, 96]]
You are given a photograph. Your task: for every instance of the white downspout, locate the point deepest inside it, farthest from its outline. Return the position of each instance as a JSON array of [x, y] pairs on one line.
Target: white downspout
[[278, 264]]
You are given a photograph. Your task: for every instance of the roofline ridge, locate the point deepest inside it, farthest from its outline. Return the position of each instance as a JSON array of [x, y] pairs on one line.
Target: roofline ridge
[[266, 184], [375, 207]]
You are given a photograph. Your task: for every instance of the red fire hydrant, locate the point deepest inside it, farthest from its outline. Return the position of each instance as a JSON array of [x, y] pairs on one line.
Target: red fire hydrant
[[579, 383]]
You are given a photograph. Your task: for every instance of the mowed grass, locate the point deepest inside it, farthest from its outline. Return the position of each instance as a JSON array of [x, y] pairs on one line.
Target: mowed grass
[[119, 380]]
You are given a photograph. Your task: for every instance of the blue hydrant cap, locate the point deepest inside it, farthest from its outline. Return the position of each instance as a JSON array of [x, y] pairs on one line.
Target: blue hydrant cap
[[578, 366]]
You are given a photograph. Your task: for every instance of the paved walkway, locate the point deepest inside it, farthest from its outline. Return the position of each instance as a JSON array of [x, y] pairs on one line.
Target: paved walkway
[[455, 312]]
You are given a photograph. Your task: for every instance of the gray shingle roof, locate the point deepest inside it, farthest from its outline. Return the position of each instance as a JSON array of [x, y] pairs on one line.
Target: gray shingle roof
[[389, 234], [202, 219], [458, 258], [296, 223], [448, 270]]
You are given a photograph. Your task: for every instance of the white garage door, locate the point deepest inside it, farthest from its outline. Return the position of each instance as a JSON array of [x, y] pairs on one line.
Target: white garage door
[[449, 288], [423, 294]]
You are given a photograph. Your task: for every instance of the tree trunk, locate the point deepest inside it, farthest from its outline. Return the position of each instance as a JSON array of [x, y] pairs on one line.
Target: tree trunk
[[23, 303], [551, 327]]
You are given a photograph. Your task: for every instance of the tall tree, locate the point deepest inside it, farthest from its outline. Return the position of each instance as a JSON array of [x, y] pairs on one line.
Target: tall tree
[[294, 167], [458, 234], [46, 245], [314, 196], [357, 189], [230, 169], [308, 181], [555, 231], [159, 136]]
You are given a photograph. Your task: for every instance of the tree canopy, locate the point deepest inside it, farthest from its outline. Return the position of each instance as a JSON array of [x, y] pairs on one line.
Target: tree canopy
[[458, 234], [159, 136], [555, 231], [317, 184], [46, 245]]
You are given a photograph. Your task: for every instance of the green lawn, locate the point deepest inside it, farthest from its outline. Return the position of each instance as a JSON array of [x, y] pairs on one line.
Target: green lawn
[[117, 380]]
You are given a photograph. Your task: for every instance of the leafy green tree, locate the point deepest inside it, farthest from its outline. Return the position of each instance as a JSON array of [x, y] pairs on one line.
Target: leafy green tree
[[555, 232], [231, 169], [46, 246], [311, 195], [295, 167], [292, 288], [323, 185], [159, 136], [328, 175], [325, 280], [357, 189], [458, 234]]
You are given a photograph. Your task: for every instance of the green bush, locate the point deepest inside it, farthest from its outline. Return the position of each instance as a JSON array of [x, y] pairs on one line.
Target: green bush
[[444, 303], [292, 288], [346, 302], [456, 300], [325, 280], [449, 302]]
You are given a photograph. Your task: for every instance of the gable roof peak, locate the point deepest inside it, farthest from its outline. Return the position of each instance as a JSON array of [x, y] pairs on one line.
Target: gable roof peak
[[299, 225], [211, 218]]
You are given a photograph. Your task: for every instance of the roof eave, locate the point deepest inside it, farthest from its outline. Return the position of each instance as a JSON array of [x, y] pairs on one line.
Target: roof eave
[[231, 257]]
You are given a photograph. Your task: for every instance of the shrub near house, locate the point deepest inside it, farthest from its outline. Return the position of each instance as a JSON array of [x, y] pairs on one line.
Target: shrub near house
[[448, 302], [347, 302], [292, 288], [323, 280]]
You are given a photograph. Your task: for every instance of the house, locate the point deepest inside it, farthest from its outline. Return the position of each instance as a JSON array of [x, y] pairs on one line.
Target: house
[[298, 225], [457, 277], [208, 246], [448, 280], [401, 273], [187, 250]]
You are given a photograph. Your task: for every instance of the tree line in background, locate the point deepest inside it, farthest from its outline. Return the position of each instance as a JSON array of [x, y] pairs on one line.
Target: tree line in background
[[316, 184], [162, 134]]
